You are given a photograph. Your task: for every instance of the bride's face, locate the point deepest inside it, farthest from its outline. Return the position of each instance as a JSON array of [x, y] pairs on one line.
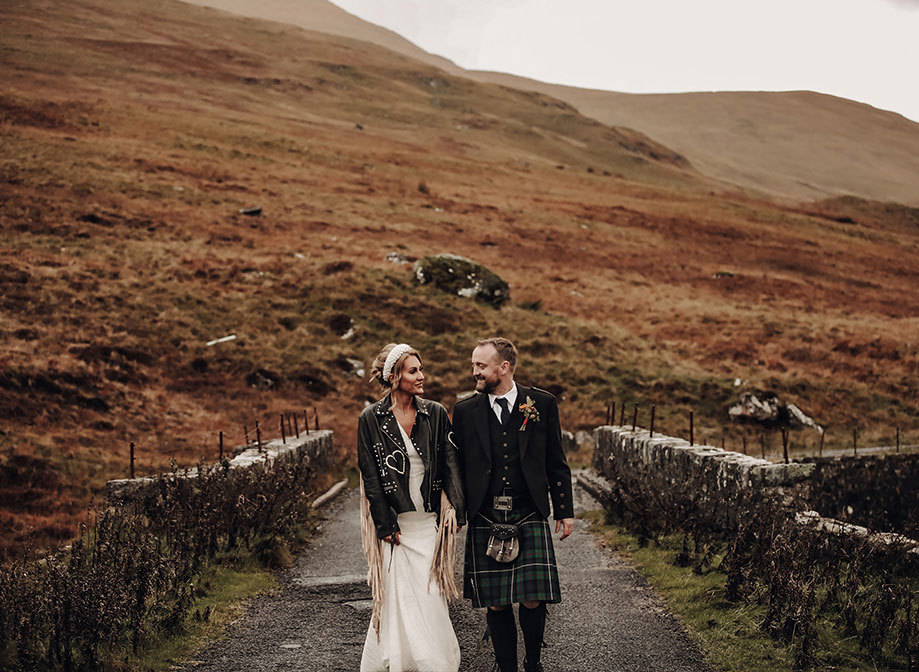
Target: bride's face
[[412, 381]]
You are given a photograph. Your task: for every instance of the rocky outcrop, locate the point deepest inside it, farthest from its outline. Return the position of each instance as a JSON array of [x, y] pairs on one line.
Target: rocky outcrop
[[767, 410], [461, 276]]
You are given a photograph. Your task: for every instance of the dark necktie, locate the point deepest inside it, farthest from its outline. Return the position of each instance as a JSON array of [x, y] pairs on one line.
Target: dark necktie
[[502, 402]]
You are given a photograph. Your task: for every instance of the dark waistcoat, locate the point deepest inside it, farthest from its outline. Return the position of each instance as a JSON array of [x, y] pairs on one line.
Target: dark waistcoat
[[505, 455]]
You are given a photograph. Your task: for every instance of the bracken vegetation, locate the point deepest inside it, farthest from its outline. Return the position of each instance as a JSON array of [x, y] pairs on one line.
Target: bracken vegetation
[[808, 581], [137, 571], [868, 591]]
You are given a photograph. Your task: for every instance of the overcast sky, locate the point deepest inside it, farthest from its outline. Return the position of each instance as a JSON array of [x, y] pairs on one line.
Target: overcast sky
[[866, 50]]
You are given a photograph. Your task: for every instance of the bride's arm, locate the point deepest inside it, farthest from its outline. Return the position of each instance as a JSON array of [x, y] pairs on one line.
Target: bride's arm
[[383, 519]]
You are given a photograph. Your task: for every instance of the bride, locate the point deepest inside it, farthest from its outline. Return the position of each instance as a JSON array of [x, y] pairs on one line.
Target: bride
[[411, 506]]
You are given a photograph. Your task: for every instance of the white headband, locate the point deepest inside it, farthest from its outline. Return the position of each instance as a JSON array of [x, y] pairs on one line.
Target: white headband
[[394, 355]]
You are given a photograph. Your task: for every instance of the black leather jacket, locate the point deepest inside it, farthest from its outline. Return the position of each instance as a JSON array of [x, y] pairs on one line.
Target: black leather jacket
[[384, 464]]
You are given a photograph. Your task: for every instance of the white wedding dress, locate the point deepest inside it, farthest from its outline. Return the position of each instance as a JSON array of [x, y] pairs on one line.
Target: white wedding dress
[[416, 634]]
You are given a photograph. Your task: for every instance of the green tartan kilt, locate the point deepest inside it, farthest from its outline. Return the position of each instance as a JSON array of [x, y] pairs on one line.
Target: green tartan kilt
[[531, 577]]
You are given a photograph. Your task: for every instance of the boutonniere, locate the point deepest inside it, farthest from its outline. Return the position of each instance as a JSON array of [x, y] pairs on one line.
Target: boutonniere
[[529, 413]]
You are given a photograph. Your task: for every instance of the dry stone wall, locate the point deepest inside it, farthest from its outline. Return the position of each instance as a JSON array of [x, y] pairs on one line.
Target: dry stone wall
[[724, 484], [711, 473], [317, 448], [878, 491]]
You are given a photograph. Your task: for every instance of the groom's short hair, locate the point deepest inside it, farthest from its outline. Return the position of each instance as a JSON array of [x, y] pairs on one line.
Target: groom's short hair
[[507, 352]]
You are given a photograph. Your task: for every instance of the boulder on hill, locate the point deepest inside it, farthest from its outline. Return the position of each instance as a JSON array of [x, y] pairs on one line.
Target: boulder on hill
[[464, 277], [767, 410], [263, 379]]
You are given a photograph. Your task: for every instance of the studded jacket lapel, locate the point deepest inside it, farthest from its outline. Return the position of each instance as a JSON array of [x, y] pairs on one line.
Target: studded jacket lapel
[[388, 426]]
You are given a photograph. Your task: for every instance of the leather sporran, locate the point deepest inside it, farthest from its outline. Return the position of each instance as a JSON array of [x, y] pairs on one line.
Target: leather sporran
[[503, 544]]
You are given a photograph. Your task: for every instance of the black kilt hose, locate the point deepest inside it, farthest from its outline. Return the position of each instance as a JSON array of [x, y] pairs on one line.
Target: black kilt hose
[[531, 577]]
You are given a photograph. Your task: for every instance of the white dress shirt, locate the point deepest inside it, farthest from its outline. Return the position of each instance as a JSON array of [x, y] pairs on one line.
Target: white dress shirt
[[510, 395]]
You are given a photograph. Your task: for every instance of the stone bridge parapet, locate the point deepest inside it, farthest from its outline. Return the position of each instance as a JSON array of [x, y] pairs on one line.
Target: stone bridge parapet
[[709, 473], [317, 448]]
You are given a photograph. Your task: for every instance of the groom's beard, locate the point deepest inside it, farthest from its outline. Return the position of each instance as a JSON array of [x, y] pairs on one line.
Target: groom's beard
[[485, 385]]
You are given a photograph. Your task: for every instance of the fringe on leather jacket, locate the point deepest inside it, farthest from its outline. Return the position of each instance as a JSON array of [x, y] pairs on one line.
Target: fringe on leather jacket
[[384, 465]]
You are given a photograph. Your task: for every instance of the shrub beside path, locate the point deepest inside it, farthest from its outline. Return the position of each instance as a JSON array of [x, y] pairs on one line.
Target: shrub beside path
[[610, 620]]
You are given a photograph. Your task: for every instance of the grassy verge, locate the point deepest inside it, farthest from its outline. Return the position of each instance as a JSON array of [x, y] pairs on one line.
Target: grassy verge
[[223, 589], [728, 633], [223, 592]]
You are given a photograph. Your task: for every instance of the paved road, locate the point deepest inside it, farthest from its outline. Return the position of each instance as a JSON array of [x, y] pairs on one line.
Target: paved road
[[609, 619]]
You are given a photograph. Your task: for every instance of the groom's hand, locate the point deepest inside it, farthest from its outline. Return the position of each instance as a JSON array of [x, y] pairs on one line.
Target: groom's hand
[[568, 524]]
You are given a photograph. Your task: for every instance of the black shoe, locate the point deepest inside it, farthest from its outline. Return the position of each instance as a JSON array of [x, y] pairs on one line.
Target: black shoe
[[497, 667], [532, 668]]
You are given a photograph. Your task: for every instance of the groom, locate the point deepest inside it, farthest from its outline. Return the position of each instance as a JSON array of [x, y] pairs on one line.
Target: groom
[[510, 443]]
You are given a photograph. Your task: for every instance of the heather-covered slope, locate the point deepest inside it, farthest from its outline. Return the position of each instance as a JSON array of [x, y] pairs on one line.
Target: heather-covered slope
[[132, 135]]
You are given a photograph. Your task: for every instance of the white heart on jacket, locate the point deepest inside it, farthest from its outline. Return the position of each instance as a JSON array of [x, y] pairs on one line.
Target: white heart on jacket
[[394, 458]]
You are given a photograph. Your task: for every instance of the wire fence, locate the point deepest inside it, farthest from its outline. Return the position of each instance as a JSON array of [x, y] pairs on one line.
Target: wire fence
[[286, 425], [769, 441]]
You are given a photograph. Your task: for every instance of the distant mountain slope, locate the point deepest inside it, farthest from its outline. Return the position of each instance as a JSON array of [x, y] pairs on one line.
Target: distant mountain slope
[[799, 144], [326, 17]]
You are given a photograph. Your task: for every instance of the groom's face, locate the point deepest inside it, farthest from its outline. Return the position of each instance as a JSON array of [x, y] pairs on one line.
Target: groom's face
[[487, 368]]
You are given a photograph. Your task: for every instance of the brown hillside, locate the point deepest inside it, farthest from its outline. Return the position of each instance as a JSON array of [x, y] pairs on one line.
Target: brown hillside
[[132, 135], [797, 144]]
